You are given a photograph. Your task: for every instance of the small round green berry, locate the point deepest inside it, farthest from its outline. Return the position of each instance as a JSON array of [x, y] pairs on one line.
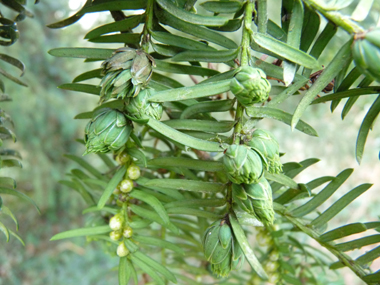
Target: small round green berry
[[127, 233], [115, 235], [271, 266], [117, 190], [263, 239], [122, 250], [133, 172], [123, 158], [274, 255], [126, 185], [274, 278], [116, 222], [119, 203]]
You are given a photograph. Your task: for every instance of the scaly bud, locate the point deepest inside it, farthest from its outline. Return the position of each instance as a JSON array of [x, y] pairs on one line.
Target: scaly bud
[[125, 73], [255, 199], [108, 130], [242, 164], [250, 86], [264, 143], [139, 107]]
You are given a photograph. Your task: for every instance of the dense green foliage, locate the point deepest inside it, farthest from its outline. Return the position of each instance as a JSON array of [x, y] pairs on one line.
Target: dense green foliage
[[209, 192]]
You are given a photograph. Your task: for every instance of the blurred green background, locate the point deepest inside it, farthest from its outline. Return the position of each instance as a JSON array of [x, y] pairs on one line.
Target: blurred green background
[[46, 130]]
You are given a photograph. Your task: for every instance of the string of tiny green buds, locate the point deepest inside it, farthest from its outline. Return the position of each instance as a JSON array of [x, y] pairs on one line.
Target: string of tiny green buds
[[344, 258]]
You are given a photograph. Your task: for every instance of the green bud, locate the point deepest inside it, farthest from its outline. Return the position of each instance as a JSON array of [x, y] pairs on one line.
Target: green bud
[[116, 222], [108, 130], [123, 158], [265, 144], [122, 250], [121, 59], [221, 249], [250, 86], [125, 73], [133, 172], [127, 233], [126, 185], [263, 239], [139, 107], [115, 235], [366, 54], [117, 190], [271, 266], [141, 69], [257, 200], [1, 203], [119, 203], [242, 164], [260, 196], [274, 278], [274, 255]]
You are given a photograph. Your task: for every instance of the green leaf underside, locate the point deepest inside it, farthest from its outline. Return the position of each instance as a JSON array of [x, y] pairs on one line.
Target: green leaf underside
[[244, 244], [82, 232], [79, 87], [191, 17], [348, 93], [90, 53], [200, 125], [202, 165], [282, 116], [322, 196], [358, 243], [119, 26], [111, 186], [284, 50], [282, 179], [152, 216], [195, 30], [183, 138], [348, 230], [369, 256], [365, 127], [341, 59], [152, 241], [151, 201], [196, 91], [124, 271], [115, 6], [18, 194], [339, 205], [187, 185]]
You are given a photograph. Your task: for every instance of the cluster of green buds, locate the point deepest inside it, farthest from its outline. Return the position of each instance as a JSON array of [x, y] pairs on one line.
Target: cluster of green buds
[[139, 106], [271, 259], [221, 248], [265, 143], [133, 173], [125, 73], [250, 86], [120, 229], [255, 199], [366, 53], [243, 164], [107, 131]]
